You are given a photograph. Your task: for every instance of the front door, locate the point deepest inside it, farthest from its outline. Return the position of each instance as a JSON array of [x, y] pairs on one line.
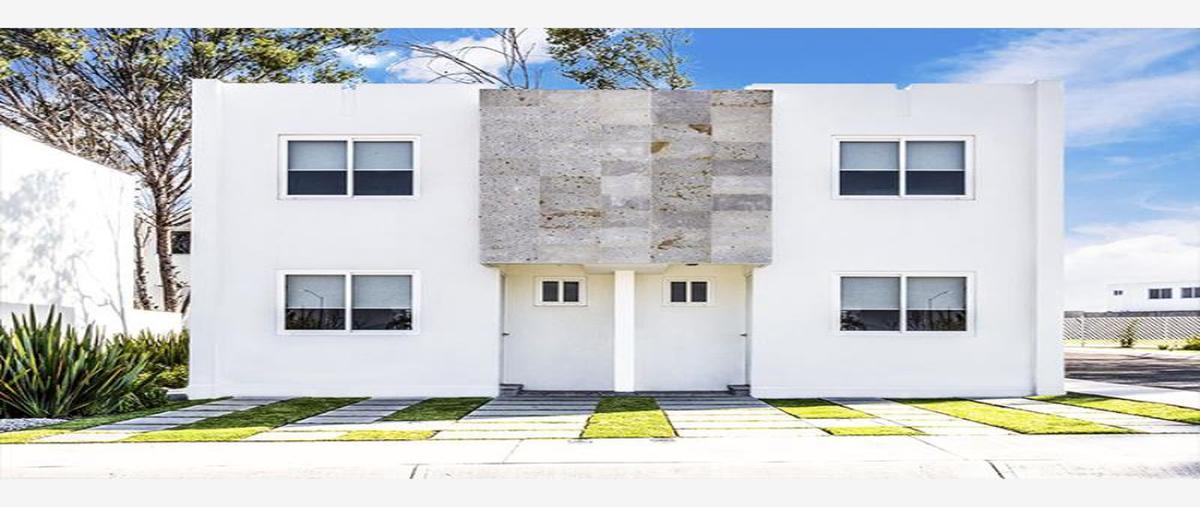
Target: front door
[[690, 326]]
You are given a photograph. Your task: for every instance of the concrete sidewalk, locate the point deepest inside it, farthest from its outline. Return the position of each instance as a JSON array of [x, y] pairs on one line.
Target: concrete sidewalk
[[1179, 397], [850, 457]]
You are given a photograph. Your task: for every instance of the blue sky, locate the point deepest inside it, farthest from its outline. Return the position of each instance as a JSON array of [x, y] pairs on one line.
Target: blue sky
[[1133, 114]]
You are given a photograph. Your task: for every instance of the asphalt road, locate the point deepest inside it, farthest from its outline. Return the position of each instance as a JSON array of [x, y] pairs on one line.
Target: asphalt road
[[1156, 371]]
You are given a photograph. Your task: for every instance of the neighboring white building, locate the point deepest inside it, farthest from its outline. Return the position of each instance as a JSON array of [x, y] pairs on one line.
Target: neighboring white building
[[1154, 296], [66, 238], [805, 240]]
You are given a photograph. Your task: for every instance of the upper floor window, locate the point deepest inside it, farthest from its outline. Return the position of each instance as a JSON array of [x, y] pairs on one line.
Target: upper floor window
[[1189, 292], [1118, 292], [561, 292], [904, 166], [349, 166], [903, 303], [1160, 294], [690, 292]]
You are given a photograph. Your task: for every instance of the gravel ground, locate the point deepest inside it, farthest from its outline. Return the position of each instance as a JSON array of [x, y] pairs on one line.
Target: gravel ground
[[24, 424]]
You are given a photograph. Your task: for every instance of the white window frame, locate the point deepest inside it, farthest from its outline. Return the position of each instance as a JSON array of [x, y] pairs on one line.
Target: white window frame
[[968, 162], [281, 302], [537, 290], [667, 291], [349, 140], [836, 314]]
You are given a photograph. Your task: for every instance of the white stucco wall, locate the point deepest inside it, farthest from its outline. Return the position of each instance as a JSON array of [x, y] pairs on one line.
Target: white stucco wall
[[243, 235], [1135, 297], [66, 235], [1008, 237]]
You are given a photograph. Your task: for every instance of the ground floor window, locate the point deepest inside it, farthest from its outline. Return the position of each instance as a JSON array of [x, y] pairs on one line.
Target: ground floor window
[[687, 292], [560, 292], [903, 303], [348, 301]]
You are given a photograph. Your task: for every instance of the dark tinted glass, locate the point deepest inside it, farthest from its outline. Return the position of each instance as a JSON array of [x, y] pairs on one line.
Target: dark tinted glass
[[678, 292], [550, 292], [316, 182], [937, 320], [935, 182], [315, 318], [181, 242], [381, 318], [869, 182], [570, 292], [699, 292], [383, 183], [870, 320]]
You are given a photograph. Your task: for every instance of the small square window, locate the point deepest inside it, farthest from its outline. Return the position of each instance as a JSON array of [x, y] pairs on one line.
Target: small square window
[[181, 242], [687, 292], [1118, 292], [869, 168], [561, 292], [1189, 292], [316, 167], [870, 303]]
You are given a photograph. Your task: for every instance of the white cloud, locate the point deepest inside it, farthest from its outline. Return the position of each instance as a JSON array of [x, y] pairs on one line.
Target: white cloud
[[479, 51], [1116, 80], [1147, 251], [366, 59]]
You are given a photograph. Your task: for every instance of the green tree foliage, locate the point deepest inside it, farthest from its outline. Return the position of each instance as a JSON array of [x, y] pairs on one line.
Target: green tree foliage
[[122, 97], [608, 58]]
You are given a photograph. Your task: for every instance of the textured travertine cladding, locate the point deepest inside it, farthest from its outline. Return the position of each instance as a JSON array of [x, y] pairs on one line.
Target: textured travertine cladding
[[625, 176]]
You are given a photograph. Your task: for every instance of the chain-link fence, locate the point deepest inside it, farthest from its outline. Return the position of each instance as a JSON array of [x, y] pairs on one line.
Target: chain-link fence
[[1145, 330]]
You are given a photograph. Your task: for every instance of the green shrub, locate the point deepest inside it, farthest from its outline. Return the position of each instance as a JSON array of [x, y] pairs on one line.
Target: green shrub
[[1192, 343], [1163, 346], [50, 370], [1128, 335], [174, 377], [163, 351]]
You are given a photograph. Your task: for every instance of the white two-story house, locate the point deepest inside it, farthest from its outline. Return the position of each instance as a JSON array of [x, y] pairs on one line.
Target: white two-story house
[[801, 240]]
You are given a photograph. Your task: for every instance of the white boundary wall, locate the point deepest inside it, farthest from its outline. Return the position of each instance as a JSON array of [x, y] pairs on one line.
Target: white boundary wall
[[66, 235]]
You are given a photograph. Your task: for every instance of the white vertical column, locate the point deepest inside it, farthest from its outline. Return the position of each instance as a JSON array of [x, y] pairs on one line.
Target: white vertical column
[[623, 330], [1048, 236]]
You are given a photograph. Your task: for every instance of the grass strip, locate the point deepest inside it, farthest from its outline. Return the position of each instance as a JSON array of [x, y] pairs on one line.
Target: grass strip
[[1129, 407], [438, 409], [871, 430], [1020, 421], [26, 436], [816, 409], [386, 435], [628, 417], [244, 423], [83, 423]]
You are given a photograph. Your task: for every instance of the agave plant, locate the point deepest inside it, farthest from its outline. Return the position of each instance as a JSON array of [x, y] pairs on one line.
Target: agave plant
[[50, 370]]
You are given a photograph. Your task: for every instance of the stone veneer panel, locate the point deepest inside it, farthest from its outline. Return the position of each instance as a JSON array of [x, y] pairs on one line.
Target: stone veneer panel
[[625, 176]]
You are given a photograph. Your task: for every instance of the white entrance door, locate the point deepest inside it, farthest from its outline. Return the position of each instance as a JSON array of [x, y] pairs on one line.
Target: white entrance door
[[557, 347], [691, 345]]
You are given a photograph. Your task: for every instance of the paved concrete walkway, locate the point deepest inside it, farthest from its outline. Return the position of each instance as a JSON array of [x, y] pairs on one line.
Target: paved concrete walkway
[[1133, 422], [925, 421], [1190, 399], [1048, 456], [160, 421]]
